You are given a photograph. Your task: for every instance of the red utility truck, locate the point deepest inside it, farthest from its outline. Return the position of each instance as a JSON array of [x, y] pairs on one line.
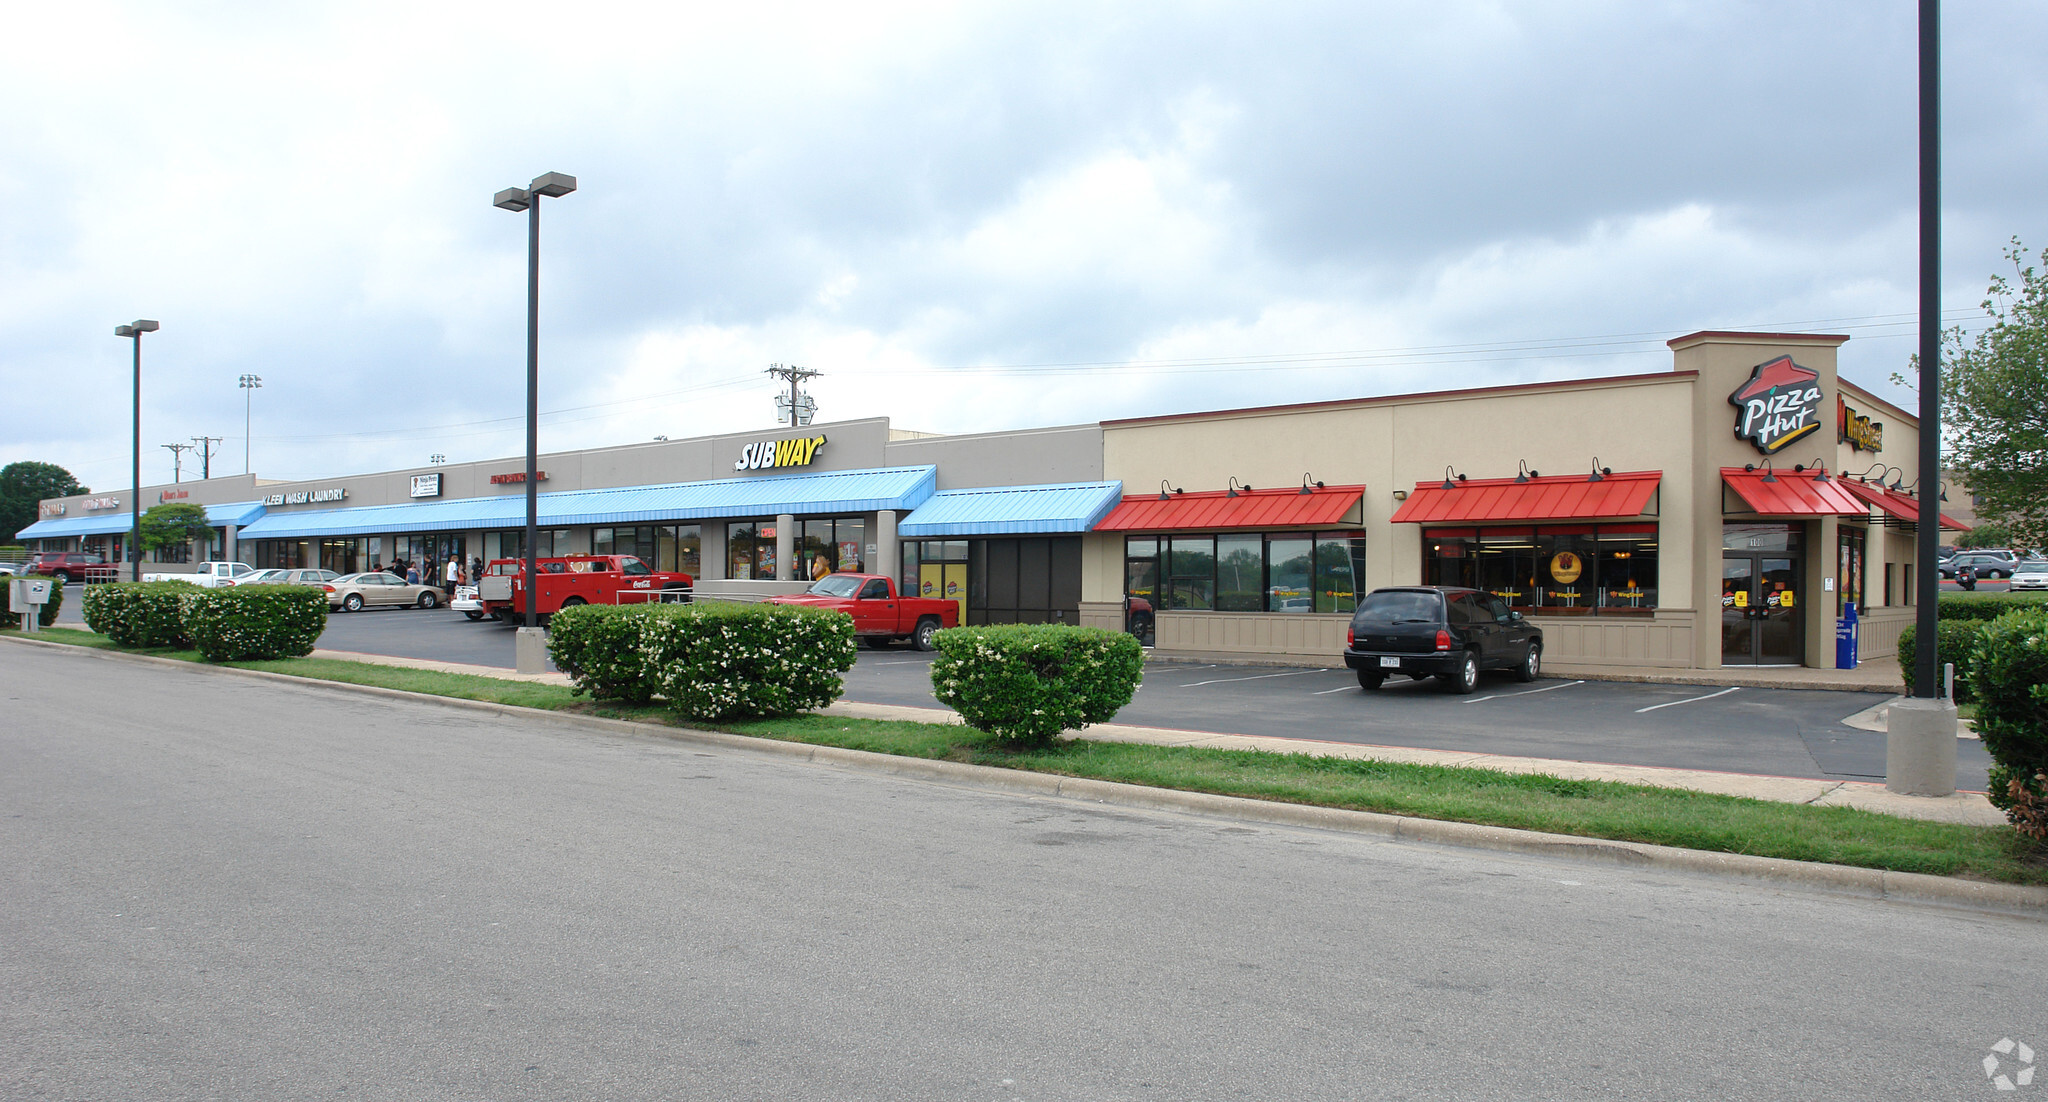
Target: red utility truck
[[570, 580], [880, 614]]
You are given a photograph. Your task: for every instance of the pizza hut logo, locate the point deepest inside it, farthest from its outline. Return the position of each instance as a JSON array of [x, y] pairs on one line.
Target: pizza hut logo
[[1780, 404]]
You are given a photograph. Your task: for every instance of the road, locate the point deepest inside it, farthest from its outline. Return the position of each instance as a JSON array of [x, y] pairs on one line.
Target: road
[[1790, 733], [229, 888]]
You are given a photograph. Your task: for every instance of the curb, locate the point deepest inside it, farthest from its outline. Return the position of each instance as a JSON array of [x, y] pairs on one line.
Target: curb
[[2012, 899]]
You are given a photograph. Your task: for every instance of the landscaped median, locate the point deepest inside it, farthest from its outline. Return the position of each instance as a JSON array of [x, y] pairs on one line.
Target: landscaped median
[[1590, 809]]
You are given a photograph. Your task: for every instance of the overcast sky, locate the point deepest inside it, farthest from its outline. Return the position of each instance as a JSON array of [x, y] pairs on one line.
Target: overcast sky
[[969, 217]]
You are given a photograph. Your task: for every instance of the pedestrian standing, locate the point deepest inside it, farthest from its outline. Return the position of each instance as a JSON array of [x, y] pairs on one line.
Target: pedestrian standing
[[450, 576], [412, 574]]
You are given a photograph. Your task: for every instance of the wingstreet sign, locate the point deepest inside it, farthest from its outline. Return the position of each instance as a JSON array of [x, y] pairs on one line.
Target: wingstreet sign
[[1780, 404]]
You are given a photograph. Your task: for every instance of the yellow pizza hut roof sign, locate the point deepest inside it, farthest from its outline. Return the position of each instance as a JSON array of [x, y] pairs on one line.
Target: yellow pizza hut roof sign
[[1780, 404]]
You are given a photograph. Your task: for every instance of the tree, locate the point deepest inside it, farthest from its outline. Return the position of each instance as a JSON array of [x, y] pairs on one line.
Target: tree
[[173, 525], [24, 484], [1994, 402], [1987, 534]]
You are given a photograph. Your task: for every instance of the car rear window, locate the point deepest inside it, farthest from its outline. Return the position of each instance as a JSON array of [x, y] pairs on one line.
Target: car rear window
[[1395, 606]]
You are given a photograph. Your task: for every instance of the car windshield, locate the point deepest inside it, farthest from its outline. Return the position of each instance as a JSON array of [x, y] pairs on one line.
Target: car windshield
[[1396, 606], [836, 585], [2035, 566]]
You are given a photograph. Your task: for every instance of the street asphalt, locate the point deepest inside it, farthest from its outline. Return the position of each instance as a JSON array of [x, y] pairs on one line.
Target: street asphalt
[[1780, 732], [219, 887]]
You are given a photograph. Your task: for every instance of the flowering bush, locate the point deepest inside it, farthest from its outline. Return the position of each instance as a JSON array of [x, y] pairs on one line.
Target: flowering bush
[[257, 621], [1026, 683], [140, 614], [718, 661], [2011, 673], [11, 619], [601, 648]]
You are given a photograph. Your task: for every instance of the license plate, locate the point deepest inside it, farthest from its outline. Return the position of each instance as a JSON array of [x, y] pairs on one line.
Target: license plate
[[1390, 663]]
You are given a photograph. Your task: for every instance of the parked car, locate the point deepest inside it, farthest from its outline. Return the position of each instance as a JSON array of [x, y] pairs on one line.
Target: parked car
[[1989, 563], [467, 602], [73, 566], [880, 614], [10, 569], [211, 574], [2031, 574], [289, 576], [355, 592], [1447, 633]]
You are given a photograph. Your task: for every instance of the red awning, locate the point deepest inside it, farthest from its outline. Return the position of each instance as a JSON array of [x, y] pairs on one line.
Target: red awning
[[1900, 507], [1793, 493], [1550, 497], [1286, 508]]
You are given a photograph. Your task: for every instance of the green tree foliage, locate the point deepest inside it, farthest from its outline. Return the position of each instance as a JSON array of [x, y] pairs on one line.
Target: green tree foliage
[[1986, 534], [24, 484], [1994, 402], [174, 524]]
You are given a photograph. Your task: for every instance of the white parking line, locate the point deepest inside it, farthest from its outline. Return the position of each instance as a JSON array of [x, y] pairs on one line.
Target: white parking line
[[1688, 700], [1327, 692], [1524, 692], [1184, 669], [1259, 677]]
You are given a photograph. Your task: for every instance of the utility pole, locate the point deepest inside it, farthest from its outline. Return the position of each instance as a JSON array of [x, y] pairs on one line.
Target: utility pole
[[798, 408], [178, 460], [205, 445]]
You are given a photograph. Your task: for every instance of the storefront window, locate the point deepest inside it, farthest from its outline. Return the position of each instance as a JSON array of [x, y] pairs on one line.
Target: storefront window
[[1191, 572], [830, 544], [1290, 585], [1555, 570], [1340, 563], [511, 543], [1849, 568], [1240, 573], [750, 550]]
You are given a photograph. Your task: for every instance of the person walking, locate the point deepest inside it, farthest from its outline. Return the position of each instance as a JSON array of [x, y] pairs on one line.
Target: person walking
[[451, 576]]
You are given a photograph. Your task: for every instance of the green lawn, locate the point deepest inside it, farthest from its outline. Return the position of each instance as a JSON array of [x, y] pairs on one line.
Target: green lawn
[[1594, 809]]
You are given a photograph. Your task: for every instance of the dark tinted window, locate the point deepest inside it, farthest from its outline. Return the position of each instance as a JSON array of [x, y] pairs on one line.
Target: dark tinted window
[[1390, 606], [875, 590]]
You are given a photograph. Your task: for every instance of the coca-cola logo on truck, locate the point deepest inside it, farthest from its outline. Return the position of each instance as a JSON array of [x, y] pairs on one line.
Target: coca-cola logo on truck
[[1779, 404]]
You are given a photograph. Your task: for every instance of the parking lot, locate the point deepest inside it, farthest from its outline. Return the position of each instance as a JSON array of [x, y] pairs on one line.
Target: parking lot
[[1780, 732]]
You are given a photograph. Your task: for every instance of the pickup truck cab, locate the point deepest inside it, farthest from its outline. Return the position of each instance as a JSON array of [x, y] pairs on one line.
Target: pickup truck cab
[[880, 614], [570, 580], [208, 575]]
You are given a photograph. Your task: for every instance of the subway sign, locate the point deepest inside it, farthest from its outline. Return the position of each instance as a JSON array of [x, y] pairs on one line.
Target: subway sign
[[770, 454], [1780, 404]]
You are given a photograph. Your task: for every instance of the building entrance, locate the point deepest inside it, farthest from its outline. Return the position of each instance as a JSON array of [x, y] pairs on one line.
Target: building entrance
[[1762, 610]]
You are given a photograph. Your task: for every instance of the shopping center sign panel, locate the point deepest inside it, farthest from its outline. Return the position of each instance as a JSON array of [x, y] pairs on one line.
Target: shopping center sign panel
[[770, 454], [1779, 405]]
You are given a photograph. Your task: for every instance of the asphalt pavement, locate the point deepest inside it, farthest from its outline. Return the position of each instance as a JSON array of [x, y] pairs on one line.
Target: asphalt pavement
[[220, 887]]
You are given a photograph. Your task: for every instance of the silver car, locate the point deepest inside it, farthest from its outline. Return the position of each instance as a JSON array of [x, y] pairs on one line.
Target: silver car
[[289, 576], [2032, 574], [355, 592]]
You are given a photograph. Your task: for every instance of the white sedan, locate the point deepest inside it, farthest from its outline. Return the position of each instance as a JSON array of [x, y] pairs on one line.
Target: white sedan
[[467, 602], [2032, 574]]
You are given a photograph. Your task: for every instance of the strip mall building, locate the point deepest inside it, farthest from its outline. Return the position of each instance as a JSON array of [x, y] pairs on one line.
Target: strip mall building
[[1708, 515]]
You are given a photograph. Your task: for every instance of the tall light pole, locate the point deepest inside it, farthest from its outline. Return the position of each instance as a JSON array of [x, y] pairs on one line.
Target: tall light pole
[[134, 331], [250, 384], [553, 185]]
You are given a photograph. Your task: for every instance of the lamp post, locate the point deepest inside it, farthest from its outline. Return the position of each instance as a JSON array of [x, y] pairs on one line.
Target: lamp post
[[553, 185], [250, 384], [134, 331]]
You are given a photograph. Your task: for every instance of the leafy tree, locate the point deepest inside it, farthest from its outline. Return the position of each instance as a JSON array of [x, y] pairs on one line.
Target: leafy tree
[[1994, 402], [1987, 534], [24, 484], [173, 525]]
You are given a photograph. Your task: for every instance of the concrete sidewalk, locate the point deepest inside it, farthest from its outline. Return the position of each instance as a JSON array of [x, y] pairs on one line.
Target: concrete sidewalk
[[1963, 807]]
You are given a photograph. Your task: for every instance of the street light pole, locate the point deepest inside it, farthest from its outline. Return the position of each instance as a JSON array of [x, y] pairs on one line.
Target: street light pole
[[134, 331], [249, 384], [553, 185]]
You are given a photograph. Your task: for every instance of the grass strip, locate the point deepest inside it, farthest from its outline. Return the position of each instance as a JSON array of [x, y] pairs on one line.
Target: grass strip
[[1593, 809]]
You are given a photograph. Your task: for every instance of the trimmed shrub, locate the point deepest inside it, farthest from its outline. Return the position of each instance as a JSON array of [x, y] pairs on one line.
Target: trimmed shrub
[[140, 614], [255, 622], [602, 649], [1026, 683], [718, 661], [1955, 641], [2012, 707], [11, 619], [1985, 606]]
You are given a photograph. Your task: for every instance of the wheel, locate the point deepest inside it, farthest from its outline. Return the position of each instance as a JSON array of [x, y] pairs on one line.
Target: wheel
[[1532, 664], [1465, 679], [352, 603], [63, 577], [430, 599], [474, 614], [572, 602], [497, 616], [922, 637], [1371, 679]]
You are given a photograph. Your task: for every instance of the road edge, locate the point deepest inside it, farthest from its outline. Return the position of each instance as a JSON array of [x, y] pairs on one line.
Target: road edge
[[2010, 899]]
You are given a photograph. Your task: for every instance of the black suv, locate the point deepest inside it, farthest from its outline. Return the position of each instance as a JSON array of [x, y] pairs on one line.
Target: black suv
[[1442, 632]]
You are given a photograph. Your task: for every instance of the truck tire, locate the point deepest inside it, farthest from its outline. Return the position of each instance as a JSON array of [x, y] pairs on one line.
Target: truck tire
[[572, 602], [430, 599], [474, 614], [921, 637], [1371, 679], [1464, 679], [63, 577]]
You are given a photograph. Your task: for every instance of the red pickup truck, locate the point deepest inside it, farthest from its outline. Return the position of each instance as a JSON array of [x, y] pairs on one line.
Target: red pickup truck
[[880, 614], [570, 580]]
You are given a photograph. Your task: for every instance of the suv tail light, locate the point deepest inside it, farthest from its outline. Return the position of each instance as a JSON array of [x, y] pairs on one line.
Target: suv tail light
[[1443, 639], [1350, 639]]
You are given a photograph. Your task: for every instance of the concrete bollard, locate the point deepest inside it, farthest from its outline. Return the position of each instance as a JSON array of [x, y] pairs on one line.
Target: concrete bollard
[[1920, 747], [531, 656]]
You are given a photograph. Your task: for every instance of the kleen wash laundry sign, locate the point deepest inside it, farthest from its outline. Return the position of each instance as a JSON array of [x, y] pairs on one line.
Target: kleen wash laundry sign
[[768, 454]]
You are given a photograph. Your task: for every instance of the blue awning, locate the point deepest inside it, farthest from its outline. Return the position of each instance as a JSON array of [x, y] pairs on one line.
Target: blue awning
[[237, 513], [898, 488], [57, 528], [1004, 510]]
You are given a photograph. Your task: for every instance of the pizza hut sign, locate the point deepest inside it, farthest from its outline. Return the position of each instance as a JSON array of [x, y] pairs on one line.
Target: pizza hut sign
[[1780, 404]]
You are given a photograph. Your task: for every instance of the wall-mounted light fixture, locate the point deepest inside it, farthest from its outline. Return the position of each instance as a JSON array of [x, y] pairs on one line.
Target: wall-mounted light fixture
[[1167, 490], [1819, 469], [1600, 473], [1236, 486], [1449, 477], [1526, 472], [1400, 495], [1770, 475], [1307, 481]]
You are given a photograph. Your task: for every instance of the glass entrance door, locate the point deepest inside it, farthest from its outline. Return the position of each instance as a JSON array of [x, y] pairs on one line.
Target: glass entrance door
[[1762, 611], [1141, 587]]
